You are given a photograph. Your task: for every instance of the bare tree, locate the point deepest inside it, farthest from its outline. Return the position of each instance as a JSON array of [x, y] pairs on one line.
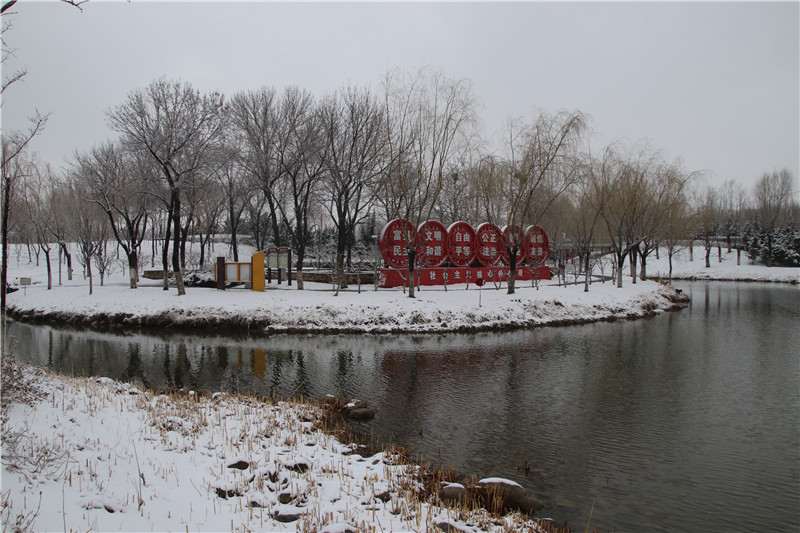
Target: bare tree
[[113, 180], [621, 180], [13, 144], [707, 209], [87, 225], [352, 126], [231, 178], [38, 205], [585, 214], [733, 198], [430, 122], [207, 216], [62, 203], [12, 169], [541, 165], [254, 115], [301, 159], [679, 225], [176, 125], [667, 183]]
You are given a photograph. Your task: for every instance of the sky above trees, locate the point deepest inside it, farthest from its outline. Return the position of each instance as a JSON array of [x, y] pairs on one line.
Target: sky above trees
[[715, 83]]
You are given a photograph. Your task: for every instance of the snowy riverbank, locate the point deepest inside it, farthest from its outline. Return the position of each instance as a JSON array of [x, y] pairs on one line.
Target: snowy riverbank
[[282, 308], [723, 267], [94, 454]]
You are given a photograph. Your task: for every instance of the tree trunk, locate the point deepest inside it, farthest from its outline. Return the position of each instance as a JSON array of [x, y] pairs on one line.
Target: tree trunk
[[341, 248], [586, 272], [153, 245], [68, 257], [634, 256], [133, 269], [234, 242], [708, 256], [4, 267], [176, 247], [301, 253], [89, 271], [620, 266], [412, 254], [273, 217], [49, 269], [643, 269], [669, 278], [165, 249], [512, 268]]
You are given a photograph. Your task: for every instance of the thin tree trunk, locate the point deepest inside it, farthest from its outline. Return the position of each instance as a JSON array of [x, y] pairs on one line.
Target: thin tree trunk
[[49, 269], [176, 247], [512, 269], [586, 271]]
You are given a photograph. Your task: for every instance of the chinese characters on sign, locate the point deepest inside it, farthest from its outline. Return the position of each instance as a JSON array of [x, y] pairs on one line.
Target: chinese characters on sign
[[491, 245], [461, 241], [431, 244], [461, 254], [394, 239], [536, 245]]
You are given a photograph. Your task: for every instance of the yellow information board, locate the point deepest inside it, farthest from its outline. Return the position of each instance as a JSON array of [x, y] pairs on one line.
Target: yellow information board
[[257, 262]]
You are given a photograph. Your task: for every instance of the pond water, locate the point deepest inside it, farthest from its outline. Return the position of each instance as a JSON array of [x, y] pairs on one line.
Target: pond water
[[687, 421]]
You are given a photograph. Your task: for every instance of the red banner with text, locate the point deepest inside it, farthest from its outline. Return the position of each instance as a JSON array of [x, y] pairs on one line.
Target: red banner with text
[[391, 277]]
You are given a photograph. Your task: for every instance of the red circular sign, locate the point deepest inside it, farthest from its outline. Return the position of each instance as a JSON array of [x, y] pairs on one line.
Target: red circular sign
[[394, 237], [431, 244], [491, 248], [461, 244], [512, 234], [536, 245]]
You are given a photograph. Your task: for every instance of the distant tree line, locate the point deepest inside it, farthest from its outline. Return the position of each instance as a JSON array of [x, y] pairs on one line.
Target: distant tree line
[[322, 175]]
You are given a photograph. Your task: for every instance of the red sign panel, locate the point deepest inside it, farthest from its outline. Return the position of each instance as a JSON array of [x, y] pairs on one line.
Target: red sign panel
[[491, 245], [536, 245], [390, 277], [461, 243], [513, 234], [394, 238], [431, 244]]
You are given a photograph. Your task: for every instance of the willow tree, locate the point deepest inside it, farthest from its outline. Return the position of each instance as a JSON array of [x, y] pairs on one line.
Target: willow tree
[[541, 164], [668, 184], [620, 181], [430, 122], [176, 126]]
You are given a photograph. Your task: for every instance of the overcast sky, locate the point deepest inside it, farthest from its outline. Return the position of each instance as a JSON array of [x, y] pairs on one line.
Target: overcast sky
[[714, 83]]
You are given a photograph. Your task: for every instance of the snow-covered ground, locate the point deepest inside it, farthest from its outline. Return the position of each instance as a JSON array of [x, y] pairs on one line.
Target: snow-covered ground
[[318, 308], [98, 455], [723, 267]]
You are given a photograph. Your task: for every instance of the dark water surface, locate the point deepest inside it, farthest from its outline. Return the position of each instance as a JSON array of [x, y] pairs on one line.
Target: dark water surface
[[689, 421]]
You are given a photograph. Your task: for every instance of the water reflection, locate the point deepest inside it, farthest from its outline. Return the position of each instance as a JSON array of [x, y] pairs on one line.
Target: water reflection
[[687, 421]]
